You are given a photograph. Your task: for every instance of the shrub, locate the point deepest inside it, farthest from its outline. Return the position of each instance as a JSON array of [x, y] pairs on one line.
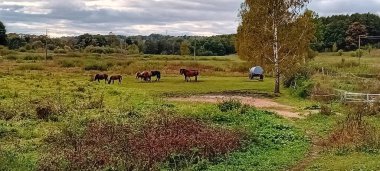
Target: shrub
[[359, 53], [96, 66], [67, 48], [228, 105], [326, 110], [4, 51], [108, 145], [31, 67], [11, 57], [32, 57], [311, 54], [340, 52], [28, 47], [22, 49], [66, 63]]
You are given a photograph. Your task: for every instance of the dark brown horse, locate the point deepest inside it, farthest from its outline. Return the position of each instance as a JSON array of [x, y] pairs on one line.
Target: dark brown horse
[[145, 75], [115, 77], [156, 74], [189, 73], [99, 77]]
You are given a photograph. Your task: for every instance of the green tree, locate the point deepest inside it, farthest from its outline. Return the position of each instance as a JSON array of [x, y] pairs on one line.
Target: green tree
[[354, 31], [275, 32], [37, 44], [185, 48], [133, 49], [3, 34], [15, 41]]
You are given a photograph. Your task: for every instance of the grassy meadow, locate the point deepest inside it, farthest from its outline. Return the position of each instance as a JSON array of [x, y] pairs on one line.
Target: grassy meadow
[[54, 117]]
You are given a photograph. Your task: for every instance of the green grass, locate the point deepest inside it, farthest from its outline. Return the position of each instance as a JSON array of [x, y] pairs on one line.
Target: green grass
[[352, 161], [274, 143]]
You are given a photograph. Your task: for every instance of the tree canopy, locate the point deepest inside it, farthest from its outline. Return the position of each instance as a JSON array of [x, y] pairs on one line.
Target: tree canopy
[[275, 34], [343, 31], [3, 35]]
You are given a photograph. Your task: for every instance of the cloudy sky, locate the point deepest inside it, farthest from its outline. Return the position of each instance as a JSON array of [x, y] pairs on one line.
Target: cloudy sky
[[132, 17]]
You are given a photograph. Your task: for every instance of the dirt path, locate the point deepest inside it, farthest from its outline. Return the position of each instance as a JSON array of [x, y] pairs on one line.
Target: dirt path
[[312, 155], [261, 103]]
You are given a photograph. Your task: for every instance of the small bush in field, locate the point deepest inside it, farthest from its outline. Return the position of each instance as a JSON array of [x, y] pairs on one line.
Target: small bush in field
[[228, 105], [96, 66], [340, 52], [66, 63], [326, 110], [33, 57]]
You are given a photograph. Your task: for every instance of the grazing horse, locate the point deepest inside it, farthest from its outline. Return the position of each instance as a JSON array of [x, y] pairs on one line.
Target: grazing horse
[[115, 77], [145, 75], [99, 77], [156, 74], [189, 73]]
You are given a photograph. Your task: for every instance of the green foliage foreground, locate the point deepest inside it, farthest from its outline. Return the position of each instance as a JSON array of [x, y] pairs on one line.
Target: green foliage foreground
[[35, 109]]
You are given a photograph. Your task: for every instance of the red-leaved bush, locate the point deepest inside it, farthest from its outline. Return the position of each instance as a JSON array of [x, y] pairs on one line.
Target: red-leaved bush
[[103, 146]]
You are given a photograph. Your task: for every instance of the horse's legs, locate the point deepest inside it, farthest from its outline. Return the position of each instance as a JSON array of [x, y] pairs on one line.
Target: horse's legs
[[196, 78]]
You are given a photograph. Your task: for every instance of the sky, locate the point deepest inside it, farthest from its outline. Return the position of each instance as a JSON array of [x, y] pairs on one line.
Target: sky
[[144, 17]]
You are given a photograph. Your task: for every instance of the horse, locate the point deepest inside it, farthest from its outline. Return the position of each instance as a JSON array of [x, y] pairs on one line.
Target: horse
[[99, 77], [156, 74], [145, 75], [115, 77], [189, 73]]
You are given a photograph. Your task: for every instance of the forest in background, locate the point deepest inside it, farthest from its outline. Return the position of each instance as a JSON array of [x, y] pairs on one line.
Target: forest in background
[[333, 33]]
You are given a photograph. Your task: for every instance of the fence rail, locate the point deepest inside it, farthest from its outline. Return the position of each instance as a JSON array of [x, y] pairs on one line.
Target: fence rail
[[360, 97]]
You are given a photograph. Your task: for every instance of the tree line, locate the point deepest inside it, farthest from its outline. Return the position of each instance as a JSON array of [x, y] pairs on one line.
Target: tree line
[[341, 32], [333, 33], [153, 44]]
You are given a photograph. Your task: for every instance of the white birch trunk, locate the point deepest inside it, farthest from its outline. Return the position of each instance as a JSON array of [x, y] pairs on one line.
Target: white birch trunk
[[276, 59]]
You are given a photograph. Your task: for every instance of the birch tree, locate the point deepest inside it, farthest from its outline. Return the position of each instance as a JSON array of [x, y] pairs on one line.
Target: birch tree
[[275, 34]]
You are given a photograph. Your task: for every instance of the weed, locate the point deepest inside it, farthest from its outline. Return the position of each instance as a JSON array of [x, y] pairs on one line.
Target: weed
[[230, 104]]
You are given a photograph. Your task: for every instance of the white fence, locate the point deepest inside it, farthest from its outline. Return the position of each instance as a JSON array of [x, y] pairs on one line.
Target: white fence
[[360, 97]]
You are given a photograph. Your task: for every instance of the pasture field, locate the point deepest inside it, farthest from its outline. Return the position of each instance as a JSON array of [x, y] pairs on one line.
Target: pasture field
[[53, 117]]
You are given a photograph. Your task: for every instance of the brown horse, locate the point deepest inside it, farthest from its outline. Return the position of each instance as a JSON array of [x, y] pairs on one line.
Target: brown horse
[[189, 73], [115, 77], [99, 77], [145, 75]]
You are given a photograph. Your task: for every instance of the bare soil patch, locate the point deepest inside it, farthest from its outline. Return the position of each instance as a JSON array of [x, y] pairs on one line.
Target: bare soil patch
[[258, 102]]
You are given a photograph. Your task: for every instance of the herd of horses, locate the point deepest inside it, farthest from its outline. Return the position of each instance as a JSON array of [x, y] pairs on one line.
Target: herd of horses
[[146, 76]]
